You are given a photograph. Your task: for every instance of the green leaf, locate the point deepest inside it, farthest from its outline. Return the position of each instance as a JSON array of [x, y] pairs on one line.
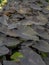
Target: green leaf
[[44, 54], [1, 1], [16, 56]]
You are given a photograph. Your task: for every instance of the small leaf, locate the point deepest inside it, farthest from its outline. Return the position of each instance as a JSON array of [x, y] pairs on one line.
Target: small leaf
[[16, 55], [44, 54]]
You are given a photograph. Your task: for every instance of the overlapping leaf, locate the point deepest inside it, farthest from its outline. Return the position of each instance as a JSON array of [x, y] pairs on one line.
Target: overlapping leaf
[[41, 45]]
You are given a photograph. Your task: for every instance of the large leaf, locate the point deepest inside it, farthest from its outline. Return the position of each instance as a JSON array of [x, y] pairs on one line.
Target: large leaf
[[28, 32], [32, 56], [41, 45], [3, 50], [25, 32], [11, 42], [41, 31]]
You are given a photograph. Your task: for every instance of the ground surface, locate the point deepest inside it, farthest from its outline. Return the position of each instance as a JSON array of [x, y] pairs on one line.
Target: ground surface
[[24, 33]]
